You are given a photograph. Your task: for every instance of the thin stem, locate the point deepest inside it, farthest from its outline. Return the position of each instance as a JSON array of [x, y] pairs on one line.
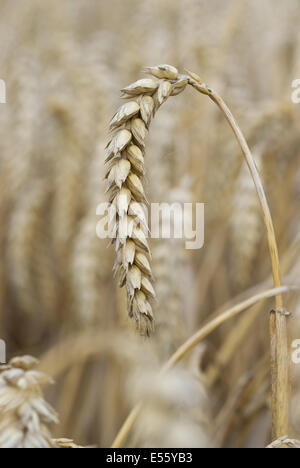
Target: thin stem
[[127, 426], [191, 343], [219, 320], [257, 181], [278, 319], [261, 194]]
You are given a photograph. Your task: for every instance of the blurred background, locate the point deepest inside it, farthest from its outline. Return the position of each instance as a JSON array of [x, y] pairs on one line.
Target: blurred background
[[64, 63]]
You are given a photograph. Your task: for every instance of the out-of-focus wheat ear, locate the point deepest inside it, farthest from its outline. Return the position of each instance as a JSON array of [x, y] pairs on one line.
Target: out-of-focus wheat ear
[[25, 416], [176, 412], [246, 213], [23, 233]]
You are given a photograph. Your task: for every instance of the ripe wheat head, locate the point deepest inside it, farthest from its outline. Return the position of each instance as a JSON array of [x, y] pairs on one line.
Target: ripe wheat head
[[126, 168]]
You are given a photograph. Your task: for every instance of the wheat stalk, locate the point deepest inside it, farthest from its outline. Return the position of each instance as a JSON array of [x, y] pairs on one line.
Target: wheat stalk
[[24, 414], [176, 411]]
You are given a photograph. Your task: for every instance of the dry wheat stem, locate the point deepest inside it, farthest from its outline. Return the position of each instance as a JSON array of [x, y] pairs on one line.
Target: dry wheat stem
[[220, 319], [278, 319], [191, 343], [239, 332], [125, 155]]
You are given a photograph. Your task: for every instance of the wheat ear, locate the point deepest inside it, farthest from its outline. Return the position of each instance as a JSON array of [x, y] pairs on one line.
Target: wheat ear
[[125, 159], [24, 414], [126, 167]]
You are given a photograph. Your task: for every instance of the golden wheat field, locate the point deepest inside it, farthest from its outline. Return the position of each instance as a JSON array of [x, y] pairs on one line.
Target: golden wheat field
[[198, 348]]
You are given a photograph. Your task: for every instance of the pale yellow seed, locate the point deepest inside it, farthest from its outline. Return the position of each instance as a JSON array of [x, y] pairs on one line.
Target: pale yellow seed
[[141, 304], [111, 176], [140, 238], [179, 87], [135, 186], [164, 91], [141, 300], [121, 172], [121, 140], [128, 254], [122, 201], [194, 76], [126, 228], [139, 130], [134, 279], [137, 211], [163, 71], [147, 287], [147, 109], [136, 159], [24, 362], [147, 85], [149, 311], [125, 112]]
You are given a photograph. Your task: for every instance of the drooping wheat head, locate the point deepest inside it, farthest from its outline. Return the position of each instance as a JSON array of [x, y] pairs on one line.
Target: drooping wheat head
[[126, 167]]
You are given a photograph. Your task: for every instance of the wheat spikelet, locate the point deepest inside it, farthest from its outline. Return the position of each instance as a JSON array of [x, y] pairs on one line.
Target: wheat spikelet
[[125, 159], [24, 414]]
